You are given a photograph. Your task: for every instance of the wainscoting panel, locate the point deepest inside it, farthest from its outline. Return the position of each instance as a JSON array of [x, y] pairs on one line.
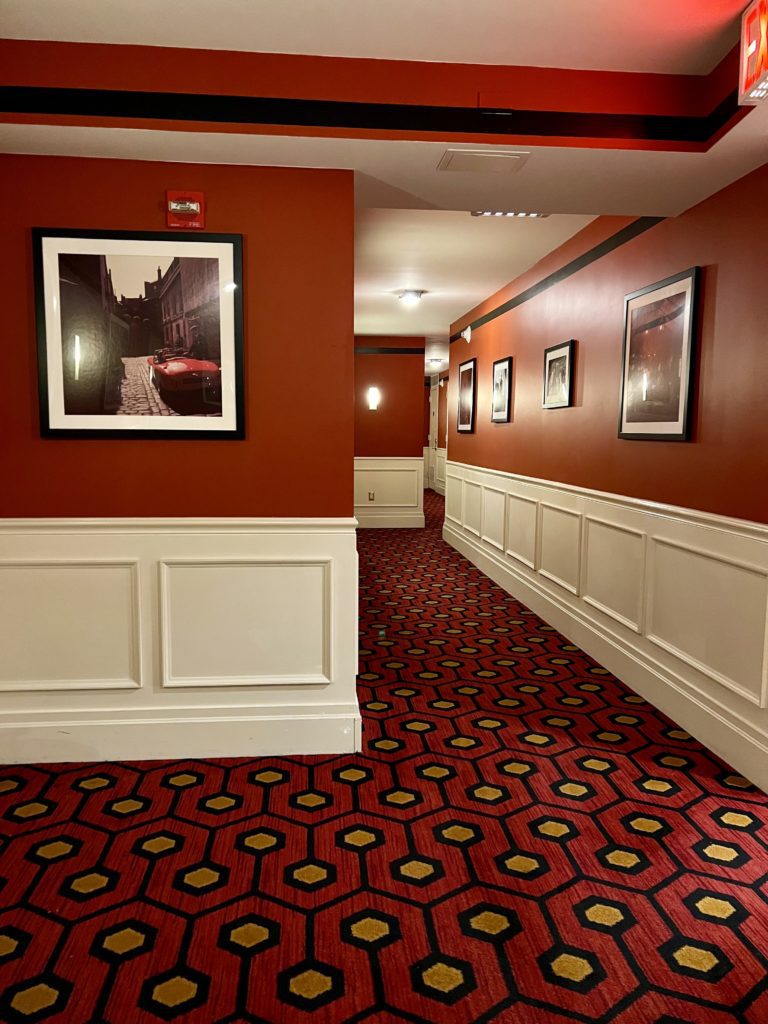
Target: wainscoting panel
[[522, 520], [671, 600], [246, 623], [69, 625], [614, 570], [439, 478], [389, 492], [494, 500], [559, 546], [131, 639], [689, 587]]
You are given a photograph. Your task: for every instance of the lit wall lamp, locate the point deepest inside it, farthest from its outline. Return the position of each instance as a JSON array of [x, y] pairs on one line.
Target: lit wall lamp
[[467, 334], [374, 397]]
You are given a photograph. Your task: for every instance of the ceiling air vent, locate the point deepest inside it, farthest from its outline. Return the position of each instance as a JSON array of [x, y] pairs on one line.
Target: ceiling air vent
[[482, 161]]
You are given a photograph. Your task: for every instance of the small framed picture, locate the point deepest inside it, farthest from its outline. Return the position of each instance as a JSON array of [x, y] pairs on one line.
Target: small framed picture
[[657, 362], [139, 334], [465, 422], [558, 375], [502, 388]]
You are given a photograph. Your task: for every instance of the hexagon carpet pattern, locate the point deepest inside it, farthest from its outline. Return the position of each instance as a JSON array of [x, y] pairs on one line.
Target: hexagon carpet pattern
[[522, 840]]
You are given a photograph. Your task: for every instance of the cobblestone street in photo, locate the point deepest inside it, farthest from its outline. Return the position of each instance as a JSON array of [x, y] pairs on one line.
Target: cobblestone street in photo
[[138, 396]]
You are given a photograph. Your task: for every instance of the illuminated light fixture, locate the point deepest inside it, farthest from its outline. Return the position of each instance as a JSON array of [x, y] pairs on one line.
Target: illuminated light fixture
[[505, 213], [466, 334], [435, 362], [374, 397], [230, 286], [411, 296], [753, 69], [441, 383]]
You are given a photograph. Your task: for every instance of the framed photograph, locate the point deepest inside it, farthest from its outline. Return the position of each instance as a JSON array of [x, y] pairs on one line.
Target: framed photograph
[[139, 334], [657, 364], [465, 423], [558, 375], [502, 389]]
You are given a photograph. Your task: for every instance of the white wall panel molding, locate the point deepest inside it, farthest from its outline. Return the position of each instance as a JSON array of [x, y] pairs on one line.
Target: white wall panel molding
[[88, 612], [389, 492], [441, 455], [121, 638], [673, 601], [238, 622]]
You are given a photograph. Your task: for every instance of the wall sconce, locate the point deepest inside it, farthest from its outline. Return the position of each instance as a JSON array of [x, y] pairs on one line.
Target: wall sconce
[[441, 383], [467, 334], [374, 397]]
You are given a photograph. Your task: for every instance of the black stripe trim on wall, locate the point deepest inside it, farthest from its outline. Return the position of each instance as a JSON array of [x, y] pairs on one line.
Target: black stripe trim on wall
[[637, 227], [390, 351], [177, 106]]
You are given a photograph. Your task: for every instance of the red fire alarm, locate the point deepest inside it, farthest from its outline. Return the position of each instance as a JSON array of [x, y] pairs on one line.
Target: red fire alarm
[[185, 209]]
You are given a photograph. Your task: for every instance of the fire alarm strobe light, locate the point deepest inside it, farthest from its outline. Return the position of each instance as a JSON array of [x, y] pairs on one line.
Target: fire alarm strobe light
[[185, 209]]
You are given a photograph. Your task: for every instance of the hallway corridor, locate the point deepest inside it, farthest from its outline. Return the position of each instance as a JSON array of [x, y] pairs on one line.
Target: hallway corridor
[[522, 840]]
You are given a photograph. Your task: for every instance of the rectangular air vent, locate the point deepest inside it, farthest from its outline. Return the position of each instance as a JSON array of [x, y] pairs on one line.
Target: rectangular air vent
[[482, 161]]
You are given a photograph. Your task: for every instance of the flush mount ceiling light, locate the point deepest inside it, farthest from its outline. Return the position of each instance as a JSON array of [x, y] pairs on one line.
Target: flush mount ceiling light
[[410, 297], [505, 213]]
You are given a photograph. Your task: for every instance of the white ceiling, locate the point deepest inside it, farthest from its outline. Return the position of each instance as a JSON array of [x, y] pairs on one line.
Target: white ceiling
[[410, 231], [456, 259], [681, 37]]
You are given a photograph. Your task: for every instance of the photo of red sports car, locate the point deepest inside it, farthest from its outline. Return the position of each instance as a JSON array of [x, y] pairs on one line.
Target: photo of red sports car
[[171, 372]]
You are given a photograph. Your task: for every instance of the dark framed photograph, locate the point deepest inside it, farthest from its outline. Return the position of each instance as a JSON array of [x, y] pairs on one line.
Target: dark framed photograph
[[657, 362], [502, 389], [465, 422], [558, 375], [139, 334]]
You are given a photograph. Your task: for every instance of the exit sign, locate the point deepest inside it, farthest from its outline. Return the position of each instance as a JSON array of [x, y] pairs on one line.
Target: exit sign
[[753, 74]]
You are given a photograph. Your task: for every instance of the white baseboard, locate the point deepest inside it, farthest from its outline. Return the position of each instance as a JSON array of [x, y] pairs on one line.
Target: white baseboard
[[191, 735], [389, 492], [133, 639], [672, 601]]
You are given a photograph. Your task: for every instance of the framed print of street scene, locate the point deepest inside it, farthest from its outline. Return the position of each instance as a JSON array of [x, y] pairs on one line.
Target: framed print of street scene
[[657, 363], [465, 423], [558, 376], [139, 334], [502, 385]]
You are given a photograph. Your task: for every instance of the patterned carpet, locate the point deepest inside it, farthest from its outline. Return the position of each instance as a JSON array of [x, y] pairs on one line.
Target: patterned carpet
[[522, 841]]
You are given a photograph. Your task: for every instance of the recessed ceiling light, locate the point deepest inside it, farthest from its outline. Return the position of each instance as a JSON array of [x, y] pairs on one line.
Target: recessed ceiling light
[[410, 297], [505, 213]]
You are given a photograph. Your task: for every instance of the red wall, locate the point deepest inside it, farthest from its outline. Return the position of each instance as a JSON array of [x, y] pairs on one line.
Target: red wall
[[396, 427], [297, 228], [724, 468]]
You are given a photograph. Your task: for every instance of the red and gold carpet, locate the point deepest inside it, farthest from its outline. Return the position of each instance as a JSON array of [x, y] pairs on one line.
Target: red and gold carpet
[[523, 840]]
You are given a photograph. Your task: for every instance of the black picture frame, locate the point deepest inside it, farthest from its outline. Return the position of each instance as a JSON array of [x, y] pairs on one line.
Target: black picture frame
[[501, 390], [202, 345], [658, 359], [465, 415], [557, 390]]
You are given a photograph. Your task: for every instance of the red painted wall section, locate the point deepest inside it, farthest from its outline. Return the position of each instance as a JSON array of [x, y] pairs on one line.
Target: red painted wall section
[[395, 428], [297, 228], [724, 468]]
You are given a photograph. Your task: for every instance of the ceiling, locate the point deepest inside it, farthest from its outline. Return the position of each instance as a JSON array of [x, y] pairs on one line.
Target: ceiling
[[413, 227], [683, 37]]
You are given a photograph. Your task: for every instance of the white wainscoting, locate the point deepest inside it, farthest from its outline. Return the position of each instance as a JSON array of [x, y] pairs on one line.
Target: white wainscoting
[[671, 600], [397, 487], [427, 467], [132, 639], [438, 482]]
